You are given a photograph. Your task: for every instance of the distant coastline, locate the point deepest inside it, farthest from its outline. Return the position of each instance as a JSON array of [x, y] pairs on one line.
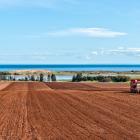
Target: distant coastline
[[66, 72], [72, 67]]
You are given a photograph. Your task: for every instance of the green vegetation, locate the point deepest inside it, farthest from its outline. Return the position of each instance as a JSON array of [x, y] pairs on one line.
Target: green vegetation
[[41, 77], [79, 77], [4, 73], [53, 77]]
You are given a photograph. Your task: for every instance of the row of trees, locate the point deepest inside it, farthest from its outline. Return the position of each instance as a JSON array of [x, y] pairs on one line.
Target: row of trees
[[51, 77], [40, 78], [79, 77]]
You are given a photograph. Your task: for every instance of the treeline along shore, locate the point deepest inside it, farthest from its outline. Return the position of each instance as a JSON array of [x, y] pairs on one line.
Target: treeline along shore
[[79, 77], [73, 76], [101, 76], [28, 76]]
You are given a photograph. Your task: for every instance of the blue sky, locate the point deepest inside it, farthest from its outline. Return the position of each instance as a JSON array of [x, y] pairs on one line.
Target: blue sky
[[69, 32]]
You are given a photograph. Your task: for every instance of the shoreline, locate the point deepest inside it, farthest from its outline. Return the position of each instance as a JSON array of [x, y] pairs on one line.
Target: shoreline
[[131, 74], [135, 74], [32, 71]]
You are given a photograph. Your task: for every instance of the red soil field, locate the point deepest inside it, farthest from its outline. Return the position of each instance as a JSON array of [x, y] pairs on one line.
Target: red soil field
[[90, 86], [3, 85], [34, 111]]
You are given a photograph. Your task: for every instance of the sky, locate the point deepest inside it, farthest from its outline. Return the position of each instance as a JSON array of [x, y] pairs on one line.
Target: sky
[[69, 32]]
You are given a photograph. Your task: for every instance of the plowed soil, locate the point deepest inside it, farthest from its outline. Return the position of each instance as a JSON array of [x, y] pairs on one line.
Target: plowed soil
[[68, 111]]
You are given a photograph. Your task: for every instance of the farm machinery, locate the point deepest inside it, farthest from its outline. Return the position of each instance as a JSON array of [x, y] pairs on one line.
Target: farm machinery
[[135, 86]]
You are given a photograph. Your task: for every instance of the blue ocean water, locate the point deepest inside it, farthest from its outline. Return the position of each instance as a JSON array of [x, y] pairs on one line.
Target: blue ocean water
[[71, 67]]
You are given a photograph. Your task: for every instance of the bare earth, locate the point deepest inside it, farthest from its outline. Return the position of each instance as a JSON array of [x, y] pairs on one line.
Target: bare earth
[[68, 111]]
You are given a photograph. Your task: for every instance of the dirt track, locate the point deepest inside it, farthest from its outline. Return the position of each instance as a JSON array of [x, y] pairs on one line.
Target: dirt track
[[34, 111]]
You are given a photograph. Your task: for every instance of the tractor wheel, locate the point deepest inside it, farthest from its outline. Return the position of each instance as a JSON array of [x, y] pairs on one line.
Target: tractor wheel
[[133, 91]]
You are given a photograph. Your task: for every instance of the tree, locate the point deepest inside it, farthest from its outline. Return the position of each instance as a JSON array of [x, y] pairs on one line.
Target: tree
[[41, 77], [84, 78], [26, 79], [79, 77], [53, 77], [14, 79], [4, 77], [32, 78], [10, 78], [49, 77], [73, 78], [38, 78]]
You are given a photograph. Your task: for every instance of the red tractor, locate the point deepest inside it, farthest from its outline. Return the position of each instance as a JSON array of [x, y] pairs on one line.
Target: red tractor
[[135, 86]]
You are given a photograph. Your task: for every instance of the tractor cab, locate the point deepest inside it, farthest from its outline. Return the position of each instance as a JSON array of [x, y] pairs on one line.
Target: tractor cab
[[135, 86]]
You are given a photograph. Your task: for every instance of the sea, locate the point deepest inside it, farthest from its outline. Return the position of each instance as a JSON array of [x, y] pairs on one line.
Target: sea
[[67, 67]]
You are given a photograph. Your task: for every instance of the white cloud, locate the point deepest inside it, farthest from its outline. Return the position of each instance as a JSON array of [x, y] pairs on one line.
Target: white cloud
[[90, 32], [94, 52], [118, 51], [92, 55], [125, 51]]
